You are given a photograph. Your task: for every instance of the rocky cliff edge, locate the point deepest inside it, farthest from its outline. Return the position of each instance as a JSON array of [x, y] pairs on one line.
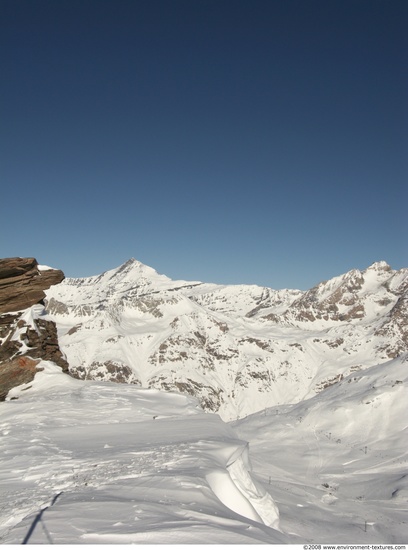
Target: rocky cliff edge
[[26, 335]]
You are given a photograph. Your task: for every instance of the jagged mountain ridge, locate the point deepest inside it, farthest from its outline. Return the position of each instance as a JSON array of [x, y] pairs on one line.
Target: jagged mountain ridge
[[238, 348]]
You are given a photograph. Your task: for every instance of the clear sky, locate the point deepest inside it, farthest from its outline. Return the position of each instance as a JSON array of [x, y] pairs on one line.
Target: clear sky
[[228, 141]]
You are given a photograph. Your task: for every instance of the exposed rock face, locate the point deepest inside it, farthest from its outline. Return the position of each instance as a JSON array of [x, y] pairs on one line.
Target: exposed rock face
[[23, 344], [20, 370], [26, 336], [395, 329], [22, 283], [111, 370], [345, 298]]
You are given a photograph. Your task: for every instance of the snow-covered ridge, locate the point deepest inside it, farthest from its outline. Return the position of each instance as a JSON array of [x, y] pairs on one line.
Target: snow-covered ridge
[[238, 348]]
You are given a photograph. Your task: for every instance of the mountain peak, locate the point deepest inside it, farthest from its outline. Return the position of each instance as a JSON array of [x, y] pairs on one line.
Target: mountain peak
[[134, 269], [131, 262], [379, 266]]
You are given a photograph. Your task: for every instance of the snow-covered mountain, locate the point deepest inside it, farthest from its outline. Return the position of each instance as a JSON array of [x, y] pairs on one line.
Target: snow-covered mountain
[[237, 348], [321, 375]]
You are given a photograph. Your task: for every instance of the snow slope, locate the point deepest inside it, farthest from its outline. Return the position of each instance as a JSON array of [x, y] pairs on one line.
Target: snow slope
[[237, 348], [336, 464], [97, 462]]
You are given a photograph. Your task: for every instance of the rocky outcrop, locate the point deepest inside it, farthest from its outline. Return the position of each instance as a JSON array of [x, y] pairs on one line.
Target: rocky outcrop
[[42, 342], [20, 370], [395, 329], [26, 336], [22, 346], [111, 370], [22, 283]]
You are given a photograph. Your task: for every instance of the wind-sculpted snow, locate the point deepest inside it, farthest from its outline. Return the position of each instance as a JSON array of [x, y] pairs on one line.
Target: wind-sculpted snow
[[237, 348], [89, 462]]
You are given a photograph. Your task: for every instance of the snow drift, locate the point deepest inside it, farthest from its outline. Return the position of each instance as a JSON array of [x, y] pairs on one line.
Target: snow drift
[[89, 462]]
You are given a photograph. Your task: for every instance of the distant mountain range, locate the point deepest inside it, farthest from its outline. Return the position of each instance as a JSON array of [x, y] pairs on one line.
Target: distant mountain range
[[238, 348]]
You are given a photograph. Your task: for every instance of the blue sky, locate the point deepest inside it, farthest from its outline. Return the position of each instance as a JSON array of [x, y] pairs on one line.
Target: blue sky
[[229, 141]]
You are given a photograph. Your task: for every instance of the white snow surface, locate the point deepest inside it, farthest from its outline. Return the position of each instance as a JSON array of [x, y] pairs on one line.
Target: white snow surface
[[87, 462], [45, 268], [336, 464]]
